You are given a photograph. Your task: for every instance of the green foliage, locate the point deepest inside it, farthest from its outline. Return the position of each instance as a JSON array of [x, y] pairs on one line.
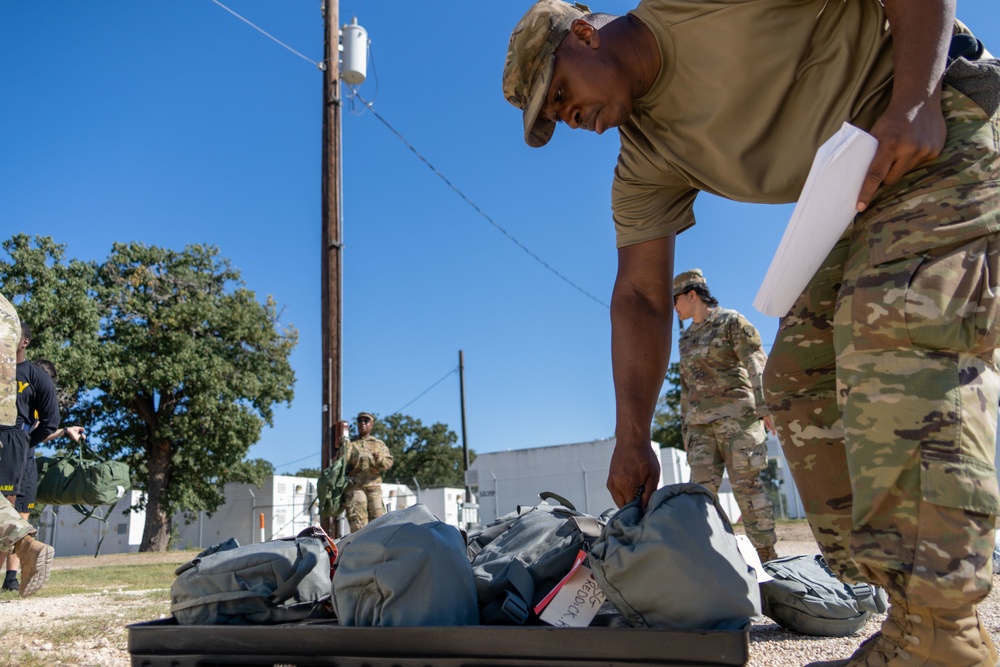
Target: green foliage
[[252, 471], [425, 453], [174, 365], [667, 418], [307, 472]]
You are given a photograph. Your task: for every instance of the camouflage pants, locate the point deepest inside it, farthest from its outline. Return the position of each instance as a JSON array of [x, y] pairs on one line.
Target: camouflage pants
[[362, 503], [738, 447], [12, 526], [883, 379]]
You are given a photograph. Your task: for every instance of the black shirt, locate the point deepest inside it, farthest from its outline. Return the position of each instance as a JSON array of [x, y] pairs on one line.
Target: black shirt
[[36, 401]]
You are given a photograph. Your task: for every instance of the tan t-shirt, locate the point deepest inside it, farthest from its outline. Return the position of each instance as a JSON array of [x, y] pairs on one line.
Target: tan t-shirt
[[747, 91]]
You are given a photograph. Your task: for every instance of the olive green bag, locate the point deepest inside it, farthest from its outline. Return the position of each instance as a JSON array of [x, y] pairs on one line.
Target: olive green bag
[[70, 478]]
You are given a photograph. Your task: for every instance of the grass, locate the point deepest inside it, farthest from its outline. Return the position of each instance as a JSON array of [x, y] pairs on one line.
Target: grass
[[110, 578]]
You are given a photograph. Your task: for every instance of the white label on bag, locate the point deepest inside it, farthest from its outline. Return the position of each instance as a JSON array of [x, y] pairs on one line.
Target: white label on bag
[[575, 600]]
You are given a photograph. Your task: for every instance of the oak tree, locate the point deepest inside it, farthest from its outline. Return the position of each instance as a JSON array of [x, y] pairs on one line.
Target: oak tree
[[174, 365]]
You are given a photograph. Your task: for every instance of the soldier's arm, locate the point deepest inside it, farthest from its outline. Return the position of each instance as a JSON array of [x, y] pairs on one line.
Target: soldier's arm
[[642, 309], [385, 458], [685, 406], [750, 351], [911, 130], [46, 405]]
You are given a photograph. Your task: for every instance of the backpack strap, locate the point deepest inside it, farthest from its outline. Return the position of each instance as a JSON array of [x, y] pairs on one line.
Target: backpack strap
[[512, 606], [215, 597], [307, 562], [546, 495], [486, 536], [588, 525], [868, 598]]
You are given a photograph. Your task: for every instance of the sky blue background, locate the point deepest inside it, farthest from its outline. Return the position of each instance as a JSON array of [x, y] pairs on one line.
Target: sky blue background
[[172, 122]]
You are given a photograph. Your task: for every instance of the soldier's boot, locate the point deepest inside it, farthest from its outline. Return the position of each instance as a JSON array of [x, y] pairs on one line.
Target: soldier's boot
[[991, 649], [36, 563], [766, 553], [10, 581], [914, 636]]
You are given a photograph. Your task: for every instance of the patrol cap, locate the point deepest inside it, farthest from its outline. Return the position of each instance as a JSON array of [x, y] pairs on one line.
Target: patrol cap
[[366, 414], [527, 73], [687, 280]]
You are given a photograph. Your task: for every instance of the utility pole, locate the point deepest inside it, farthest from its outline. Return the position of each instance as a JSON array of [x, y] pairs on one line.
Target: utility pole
[[465, 442], [331, 267]]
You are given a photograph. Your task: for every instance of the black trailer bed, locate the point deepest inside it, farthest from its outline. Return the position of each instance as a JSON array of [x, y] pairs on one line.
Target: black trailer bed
[[164, 643]]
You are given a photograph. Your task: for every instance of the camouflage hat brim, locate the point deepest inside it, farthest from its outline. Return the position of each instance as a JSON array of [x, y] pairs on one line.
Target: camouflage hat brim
[[531, 61], [538, 131]]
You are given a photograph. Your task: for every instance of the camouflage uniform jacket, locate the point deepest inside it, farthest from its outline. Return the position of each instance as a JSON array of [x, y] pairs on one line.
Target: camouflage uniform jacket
[[367, 459], [721, 364], [10, 336]]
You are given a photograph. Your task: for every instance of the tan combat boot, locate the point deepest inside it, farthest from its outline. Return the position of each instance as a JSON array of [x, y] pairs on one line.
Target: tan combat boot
[[36, 563], [766, 553], [914, 636], [991, 649]]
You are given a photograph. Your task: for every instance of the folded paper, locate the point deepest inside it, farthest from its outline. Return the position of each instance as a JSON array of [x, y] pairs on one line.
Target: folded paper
[[825, 208]]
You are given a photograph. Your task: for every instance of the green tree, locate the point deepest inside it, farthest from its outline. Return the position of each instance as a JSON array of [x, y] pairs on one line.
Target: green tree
[[427, 454], [174, 365], [307, 472], [667, 418]]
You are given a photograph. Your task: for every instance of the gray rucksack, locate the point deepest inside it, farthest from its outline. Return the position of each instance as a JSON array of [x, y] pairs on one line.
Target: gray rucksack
[[520, 557], [677, 565], [805, 597], [406, 568], [270, 582]]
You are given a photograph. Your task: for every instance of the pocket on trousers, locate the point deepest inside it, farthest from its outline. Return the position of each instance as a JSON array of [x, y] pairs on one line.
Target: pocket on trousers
[[752, 457], [964, 483], [945, 300]]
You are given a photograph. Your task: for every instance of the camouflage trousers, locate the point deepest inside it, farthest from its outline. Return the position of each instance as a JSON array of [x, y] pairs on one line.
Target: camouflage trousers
[[736, 446], [883, 380], [362, 503], [12, 526]]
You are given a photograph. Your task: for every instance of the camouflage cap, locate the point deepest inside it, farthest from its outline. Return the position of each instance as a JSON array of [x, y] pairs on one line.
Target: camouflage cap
[[366, 414], [528, 70], [687, 280]]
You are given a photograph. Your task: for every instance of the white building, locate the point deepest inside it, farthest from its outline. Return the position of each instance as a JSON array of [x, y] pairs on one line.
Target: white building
[[61, 527], [282, 507], [579, 472]]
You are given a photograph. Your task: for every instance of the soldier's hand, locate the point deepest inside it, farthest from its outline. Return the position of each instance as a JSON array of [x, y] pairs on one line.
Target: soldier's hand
[[908, 134], [633, 467]]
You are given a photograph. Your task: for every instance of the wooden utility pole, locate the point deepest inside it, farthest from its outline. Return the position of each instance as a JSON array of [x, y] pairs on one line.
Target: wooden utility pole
[[465, 442], [331, 266]]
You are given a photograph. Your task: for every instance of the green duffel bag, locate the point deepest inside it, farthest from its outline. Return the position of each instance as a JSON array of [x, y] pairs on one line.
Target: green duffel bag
[[68, 478]]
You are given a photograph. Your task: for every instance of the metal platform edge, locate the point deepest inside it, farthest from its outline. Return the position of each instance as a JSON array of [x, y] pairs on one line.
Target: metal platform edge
[[164, 643]]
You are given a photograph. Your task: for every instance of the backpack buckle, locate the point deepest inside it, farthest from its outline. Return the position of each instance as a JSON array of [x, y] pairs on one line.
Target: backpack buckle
[[514, 607]]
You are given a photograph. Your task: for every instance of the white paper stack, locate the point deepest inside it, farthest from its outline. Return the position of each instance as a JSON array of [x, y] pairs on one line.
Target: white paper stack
[[826, 206]]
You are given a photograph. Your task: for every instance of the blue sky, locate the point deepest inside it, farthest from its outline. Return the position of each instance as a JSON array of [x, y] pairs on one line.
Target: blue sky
[[172, 122]]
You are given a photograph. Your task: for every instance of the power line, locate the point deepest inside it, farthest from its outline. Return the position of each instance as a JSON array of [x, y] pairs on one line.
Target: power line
[[473, 204], [269, 35], [368, 105], [304, 458], [451, 372]]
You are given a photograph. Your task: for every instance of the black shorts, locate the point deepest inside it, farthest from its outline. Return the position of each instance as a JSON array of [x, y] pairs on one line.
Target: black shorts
[[29, 485], [13, 457]]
